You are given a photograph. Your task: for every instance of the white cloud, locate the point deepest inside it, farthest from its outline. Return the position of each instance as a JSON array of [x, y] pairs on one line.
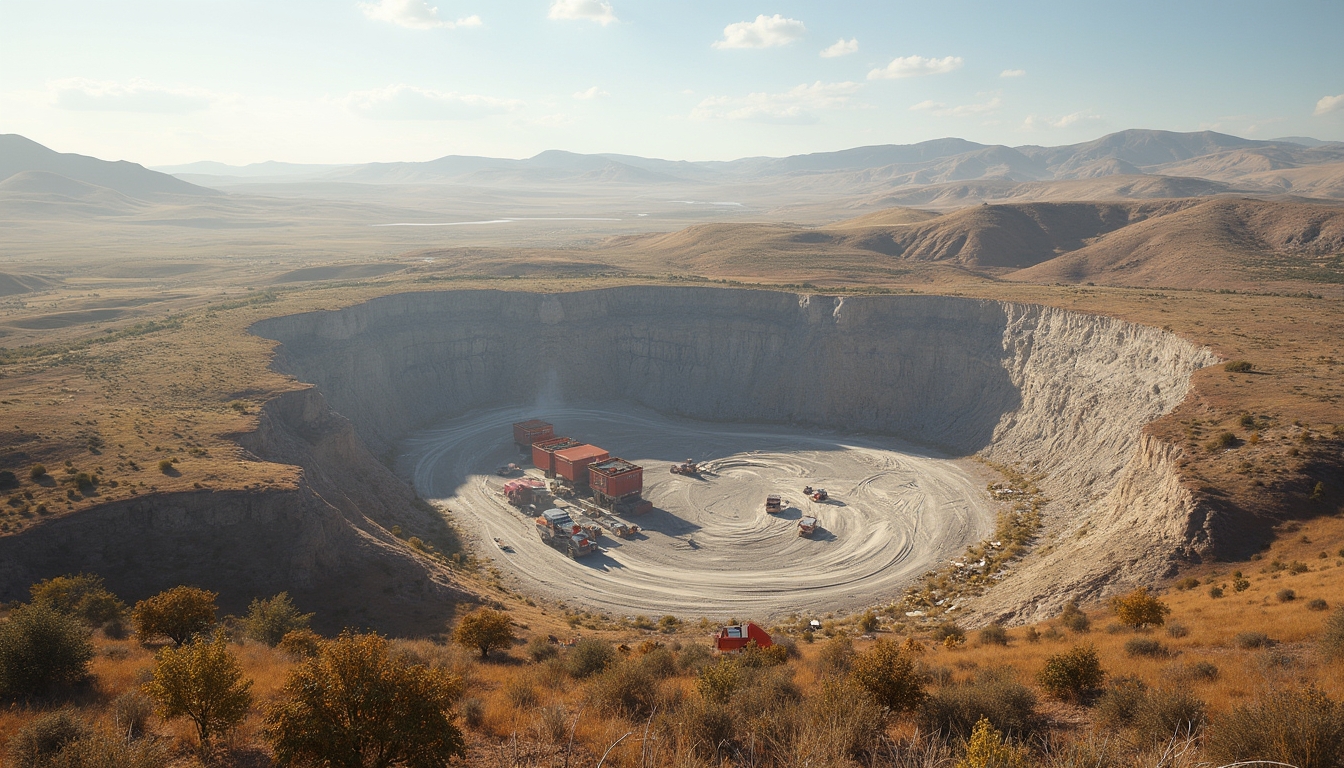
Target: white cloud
[[842, 47], [406, 102], [764, 32], [915, 66], [134, 96], [1033, 122], [1013, 73], [938, 109], [590, 94], [593, 10], [795, 106], [413, 14], [1329, 104]]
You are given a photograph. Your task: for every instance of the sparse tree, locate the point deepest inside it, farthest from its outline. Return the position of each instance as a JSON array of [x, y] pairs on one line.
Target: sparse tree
[[42, 648], [1140, 609], [177, 614], [83, 596], [359, 705], [201, 681], [268, 621], [889, 675], [484, 630]]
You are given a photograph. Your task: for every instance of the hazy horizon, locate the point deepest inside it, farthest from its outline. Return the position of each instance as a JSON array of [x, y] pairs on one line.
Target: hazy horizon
[[405, 80]]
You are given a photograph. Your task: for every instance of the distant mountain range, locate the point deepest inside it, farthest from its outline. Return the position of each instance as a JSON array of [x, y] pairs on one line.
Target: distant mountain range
[[45, 172]]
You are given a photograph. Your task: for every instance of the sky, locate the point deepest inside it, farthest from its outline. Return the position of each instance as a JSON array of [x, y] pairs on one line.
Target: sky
[[164, 82]]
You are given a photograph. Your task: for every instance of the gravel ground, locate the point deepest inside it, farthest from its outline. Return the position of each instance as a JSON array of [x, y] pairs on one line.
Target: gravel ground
[[708, 548]]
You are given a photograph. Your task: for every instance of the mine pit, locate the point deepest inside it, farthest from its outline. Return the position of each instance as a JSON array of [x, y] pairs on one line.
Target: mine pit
[[899, 405]]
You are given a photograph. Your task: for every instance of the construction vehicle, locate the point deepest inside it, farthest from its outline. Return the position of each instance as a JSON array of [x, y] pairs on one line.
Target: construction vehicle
[[508, 470], [525, 491], [819, 494], [687, 467], [624, 530], [807, 526], [773, 505], [560, 531]]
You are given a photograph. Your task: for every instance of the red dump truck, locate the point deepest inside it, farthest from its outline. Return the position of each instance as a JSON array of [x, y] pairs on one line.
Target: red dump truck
[[543, 452], [807, 526], [525, 433], [559, 530], [527, 490]]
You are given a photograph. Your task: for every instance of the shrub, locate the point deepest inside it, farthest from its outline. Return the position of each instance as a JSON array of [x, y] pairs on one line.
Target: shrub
[[1144, 646], [520, 692], [1119, 704], [1285, 595], [1031, 635], [473, 712], [38, 472], [1301, 727], [986, 749], [1215, 592], [720, 680], [1240, 584], [1223, 441], [889, 676], [1250, 640], [626, 689], [1189, 582], [1177, 629], [1238, 366], [659, 662], [949, 629], [994, 694], [40, 741], [41, 649], [1073, 618], [1318, 604], [8, 479], [203, 682], [268, 621], [1072, 674], [1140, 609], [836, 655], [540, 649], [669, 624], [83, 597], [484, 630], [588, 657], [1167, 714], [1332, 638], [300, 643], [868, 622], [993, 634], [358, 703], [177, 614], [693, 658], [130, 713]]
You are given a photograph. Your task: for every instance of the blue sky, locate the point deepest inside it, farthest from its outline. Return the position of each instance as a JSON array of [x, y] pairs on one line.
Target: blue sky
[[328, 81]]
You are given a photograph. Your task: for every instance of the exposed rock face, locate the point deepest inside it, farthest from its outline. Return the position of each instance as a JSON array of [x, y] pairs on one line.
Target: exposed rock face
[[324, 541], [1063, 393]]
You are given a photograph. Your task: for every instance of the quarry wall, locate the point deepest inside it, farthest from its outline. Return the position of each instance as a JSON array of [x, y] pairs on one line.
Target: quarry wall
[[1059, 393]]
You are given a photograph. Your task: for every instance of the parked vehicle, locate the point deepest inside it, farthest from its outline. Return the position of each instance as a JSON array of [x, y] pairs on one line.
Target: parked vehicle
[[687, 467], [807, 526], [560, 531], [773, 505]]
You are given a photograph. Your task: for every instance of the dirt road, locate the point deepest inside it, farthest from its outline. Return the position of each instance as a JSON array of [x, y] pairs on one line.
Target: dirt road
[[708, 548]]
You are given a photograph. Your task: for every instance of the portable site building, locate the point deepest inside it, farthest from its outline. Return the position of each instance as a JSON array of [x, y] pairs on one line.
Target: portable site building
[[736, 638]]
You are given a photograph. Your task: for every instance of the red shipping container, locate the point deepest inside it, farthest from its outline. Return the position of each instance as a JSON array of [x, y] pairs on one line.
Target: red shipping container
[[572, 463], [616, 478], [543, 452], [528, 432]]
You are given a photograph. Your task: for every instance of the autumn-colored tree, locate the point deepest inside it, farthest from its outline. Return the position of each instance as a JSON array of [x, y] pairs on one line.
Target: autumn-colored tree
[[359, 704], [83, 596], [177, 614], [484, 630], [203, 681], [889, 675], [1140, 609]]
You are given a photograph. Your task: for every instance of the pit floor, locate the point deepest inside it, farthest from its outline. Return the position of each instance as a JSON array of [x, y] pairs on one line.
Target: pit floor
[[708, 548]]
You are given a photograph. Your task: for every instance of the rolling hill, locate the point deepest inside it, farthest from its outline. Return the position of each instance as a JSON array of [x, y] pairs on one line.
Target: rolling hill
[[19, 155]]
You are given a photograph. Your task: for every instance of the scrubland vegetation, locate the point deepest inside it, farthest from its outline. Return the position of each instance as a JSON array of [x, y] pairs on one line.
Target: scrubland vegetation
[[1179, 678]]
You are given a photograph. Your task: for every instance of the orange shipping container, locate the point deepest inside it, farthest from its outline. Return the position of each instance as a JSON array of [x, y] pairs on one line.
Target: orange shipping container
[[526, 433], [572, 463], [543, 452], [616, 478]]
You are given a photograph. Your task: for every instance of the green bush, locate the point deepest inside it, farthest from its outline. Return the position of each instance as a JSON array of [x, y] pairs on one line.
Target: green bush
[[82, 596], [1119, 704], [993, 634], [42, 649], [485, 630], [889, 676], [948, 629], [589, 657], [994, 694], [626, 689], [38, 471], [179, 614], [165, 466], [1144, 646], [1238, 366], [1292, 725], [38, 743], [540, 649], [1223, 441], [268, 621], [1073, 618], [1285, 595], [1167, 714], [1072, 674], [720, 680]]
